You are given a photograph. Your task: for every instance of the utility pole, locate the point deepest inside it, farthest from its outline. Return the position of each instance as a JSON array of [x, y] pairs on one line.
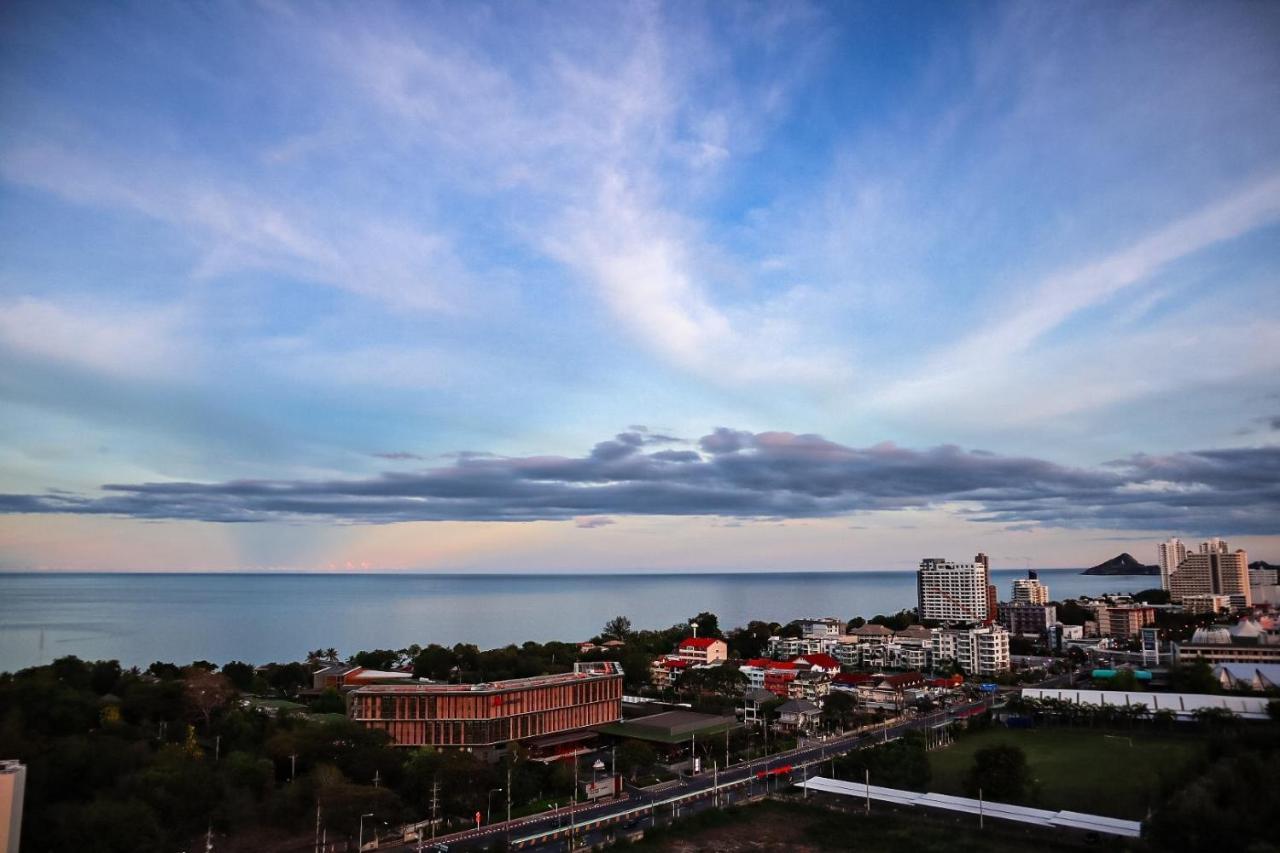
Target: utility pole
[[805, 768], [208, 840], [980, 815], [867, 783], [508, 804], [293, 766], [573, 803], [317, 826], [435, 801], [217, 747], [726, 749], [377, 778]]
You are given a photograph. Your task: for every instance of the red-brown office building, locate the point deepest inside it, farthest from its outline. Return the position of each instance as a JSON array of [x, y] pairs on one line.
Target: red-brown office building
[[489, 715]]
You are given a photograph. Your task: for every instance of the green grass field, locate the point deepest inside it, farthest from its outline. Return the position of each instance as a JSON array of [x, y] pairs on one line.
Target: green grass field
[[1116, 774]]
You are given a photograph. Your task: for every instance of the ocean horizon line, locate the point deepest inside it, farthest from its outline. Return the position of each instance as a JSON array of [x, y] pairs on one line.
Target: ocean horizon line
[[623, 573]]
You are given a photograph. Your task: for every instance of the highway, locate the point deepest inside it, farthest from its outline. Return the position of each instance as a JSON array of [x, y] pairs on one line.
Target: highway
[[638, 808]]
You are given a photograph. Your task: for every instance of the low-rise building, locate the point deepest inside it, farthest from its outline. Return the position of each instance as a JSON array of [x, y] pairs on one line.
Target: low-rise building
[[812, 685], [819, 662], [1128, 621], [798, 715], [978, 651], [665, 672], [347, 676], [851, 682], [1245, 642], [778, 681], [751, 705], [892, 690], [704, 650], [13, 784], [1027, 620], [486, 717], [1259, 677], [818, 629], [1205, 603]]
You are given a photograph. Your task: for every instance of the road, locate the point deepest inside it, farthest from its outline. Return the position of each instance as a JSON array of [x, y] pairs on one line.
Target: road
[[642, 807]]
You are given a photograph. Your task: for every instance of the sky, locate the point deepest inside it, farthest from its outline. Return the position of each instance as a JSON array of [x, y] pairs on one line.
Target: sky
[[636, 286]]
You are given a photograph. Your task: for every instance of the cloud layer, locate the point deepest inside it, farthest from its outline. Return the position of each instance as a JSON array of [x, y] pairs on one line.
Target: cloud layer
[[740, 475]]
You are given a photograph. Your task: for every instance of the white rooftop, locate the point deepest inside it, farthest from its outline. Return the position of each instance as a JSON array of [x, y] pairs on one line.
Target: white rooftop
[[1002, 811], [1182, 704]]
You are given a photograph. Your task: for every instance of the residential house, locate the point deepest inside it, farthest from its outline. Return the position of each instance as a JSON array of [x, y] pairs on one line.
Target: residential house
[[798, 715]]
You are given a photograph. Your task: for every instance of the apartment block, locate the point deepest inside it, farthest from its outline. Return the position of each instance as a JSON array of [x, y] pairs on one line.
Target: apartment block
[[1213, 570], [953, 592]]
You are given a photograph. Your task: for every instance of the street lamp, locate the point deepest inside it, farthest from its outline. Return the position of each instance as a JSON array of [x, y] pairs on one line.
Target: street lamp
[[360, 841], [488, 812]]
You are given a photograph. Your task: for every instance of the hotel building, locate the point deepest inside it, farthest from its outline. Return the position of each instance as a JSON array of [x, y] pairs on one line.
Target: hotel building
[[1029, 590], [1214, 570], [953, 592]]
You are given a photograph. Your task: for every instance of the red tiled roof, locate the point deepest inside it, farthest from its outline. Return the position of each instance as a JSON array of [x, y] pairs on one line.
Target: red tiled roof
[[853, 678], [823, 660], [903, 679], [673, 663], [698, 642], [760, 663]]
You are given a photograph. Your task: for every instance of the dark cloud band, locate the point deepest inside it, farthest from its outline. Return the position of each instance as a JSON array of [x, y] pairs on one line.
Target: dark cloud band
[[740, 475]]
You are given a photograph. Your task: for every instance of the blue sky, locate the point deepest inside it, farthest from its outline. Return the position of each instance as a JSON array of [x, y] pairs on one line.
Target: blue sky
[[267, 269]]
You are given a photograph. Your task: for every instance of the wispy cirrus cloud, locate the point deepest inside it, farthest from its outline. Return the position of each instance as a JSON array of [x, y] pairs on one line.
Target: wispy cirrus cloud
[[134, 341], [742, 475]]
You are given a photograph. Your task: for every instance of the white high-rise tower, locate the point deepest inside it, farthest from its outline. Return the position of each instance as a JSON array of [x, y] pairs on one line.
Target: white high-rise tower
[[1172, 553]]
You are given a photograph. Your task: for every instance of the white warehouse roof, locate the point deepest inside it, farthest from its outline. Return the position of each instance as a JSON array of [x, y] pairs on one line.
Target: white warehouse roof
[[1182, 704]]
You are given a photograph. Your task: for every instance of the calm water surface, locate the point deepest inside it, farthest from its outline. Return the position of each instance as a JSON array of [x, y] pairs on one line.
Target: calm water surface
[[140, 618]]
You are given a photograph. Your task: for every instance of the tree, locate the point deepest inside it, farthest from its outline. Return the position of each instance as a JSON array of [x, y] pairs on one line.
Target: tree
[[901, 763], [838, 709], [750, 642], [240, 674], [377, 659], [708, 625], [206, 692], [329, 702], [1001, 773], [635, 757], [104, 675], [1071, 613], [1195, 676], [857, 622], [435, 662], [617, 628], [1154, 595]]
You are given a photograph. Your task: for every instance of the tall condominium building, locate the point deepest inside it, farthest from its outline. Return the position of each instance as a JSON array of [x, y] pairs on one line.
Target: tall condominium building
[[1213, 570], [1029, 590], [952, 592], [993, 595], [480, 716], [1171, 554]]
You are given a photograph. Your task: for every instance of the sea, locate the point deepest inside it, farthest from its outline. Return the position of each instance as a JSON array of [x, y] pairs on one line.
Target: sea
[[258, 618]]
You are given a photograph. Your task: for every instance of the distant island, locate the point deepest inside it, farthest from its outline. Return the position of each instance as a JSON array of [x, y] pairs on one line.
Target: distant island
[[1125, 564], [1258, 565]]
